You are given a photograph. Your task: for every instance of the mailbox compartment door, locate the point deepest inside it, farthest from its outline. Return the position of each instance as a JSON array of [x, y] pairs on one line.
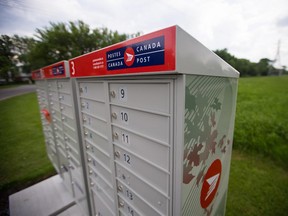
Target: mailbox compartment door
[[127, 135]]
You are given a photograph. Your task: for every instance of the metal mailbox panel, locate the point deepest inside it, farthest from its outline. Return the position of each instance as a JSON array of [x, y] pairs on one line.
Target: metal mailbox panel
[[52, 84], [137, 202], [67, 121], [65, 98], [150, 150], [92, 90], [144, 189], [148, 96], [102, 187], [64, 86], [103, 157], [102, 208], [127, 209], [99, 124], [100, 169], [67, 110], [93, 108], [144, 169], [68, 131], [100, 141], [149, 124], [53, 95]]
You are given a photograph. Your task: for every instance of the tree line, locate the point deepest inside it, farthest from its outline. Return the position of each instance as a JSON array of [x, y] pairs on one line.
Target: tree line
[[67, 40], [247, 68]]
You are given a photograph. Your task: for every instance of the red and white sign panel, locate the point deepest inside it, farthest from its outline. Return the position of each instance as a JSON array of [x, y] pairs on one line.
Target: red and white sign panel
[[211, 183], [56, 70], [154, 52]]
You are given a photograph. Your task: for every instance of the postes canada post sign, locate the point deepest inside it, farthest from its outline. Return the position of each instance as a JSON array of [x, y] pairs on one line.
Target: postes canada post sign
[[153, 52]]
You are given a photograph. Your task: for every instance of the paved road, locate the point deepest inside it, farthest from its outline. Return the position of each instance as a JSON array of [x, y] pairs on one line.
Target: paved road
[[11, 92]]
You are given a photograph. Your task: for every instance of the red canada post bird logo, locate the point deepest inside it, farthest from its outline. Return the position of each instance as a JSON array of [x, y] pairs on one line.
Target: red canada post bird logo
[[129, 56], [211, 183]]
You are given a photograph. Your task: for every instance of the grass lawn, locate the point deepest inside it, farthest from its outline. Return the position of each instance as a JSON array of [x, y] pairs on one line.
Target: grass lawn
[[23, 159], [259, 169], [262, 117]]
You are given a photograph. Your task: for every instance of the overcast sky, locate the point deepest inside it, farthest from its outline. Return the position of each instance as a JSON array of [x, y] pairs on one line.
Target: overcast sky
[[247, 28]]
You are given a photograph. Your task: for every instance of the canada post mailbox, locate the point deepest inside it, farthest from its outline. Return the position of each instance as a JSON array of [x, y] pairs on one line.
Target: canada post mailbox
[[157, 118], [56, 100]]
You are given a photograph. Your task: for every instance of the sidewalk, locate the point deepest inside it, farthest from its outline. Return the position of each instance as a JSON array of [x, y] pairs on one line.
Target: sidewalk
[[48, 197]]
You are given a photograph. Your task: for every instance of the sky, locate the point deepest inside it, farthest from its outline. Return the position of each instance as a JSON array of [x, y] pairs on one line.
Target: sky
[[251, 29]]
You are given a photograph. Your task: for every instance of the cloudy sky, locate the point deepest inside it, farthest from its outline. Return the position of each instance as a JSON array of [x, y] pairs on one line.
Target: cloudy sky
[[247, 28]]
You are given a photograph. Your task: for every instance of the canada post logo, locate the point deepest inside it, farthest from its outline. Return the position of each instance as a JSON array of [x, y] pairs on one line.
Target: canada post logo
[[58, 70], [145, 53]]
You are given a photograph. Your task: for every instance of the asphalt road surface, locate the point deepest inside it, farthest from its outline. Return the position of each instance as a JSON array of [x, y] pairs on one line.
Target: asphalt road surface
[[11, 92]]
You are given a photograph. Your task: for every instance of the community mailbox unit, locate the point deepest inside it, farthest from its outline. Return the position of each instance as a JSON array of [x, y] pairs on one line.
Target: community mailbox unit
[[156, 114], [55, 92]]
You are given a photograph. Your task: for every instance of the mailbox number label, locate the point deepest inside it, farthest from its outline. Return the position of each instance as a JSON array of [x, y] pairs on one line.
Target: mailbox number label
[[129, 195], [123, 94], [127, 158], [125, 138], [130, 210], [124, 116]]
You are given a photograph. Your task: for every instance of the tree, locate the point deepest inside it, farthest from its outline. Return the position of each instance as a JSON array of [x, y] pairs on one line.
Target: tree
[[61, 41], [6, 57]]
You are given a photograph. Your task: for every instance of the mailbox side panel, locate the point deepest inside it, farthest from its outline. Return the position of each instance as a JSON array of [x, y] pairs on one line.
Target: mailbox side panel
[[210, 104]]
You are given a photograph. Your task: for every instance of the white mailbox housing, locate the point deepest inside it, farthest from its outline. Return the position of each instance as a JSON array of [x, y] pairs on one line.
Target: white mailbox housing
[[157, 117], [55, 92]]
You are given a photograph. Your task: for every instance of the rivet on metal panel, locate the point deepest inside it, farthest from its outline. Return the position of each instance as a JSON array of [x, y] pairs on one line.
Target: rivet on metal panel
[[65, 138], [55, 129], [159, 203], [85, 133], [62, 167], [53, 112], [84, 119], [92, 184], [90, 172], [83, 104], [89, 159], [61, 107], [51, 103], [56, 137], [72, 182], [63, 118], [67, 147], [117, 154], [69, 157], [115, 135], [54, 120], [60, 98], [120, 188], [121, 203], [113, 94], [87, 146], [114, 115]]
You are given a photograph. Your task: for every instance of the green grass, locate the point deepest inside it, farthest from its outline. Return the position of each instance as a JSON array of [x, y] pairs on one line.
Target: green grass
[[22, 156], [257, 186], [262, 117]]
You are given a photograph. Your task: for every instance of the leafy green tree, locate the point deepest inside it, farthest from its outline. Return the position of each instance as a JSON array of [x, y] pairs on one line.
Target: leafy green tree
[[6, 56], [62, 41]]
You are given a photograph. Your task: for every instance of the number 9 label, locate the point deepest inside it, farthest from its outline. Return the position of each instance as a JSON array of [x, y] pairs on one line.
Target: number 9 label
[[123, 94]]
